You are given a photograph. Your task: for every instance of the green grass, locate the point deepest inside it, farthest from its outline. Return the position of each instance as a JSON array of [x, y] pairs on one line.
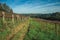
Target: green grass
[[37, 30], [41, 31], [17, 36], [6, 29], [1, 23]]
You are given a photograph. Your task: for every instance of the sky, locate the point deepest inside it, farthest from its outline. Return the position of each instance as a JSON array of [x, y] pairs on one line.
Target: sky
[[33, 6]]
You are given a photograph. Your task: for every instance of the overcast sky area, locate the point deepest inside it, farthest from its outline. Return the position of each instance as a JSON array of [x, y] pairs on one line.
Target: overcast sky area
[[33, 6]]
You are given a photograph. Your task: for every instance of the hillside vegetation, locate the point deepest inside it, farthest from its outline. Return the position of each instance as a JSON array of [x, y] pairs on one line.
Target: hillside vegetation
[[5, 7]]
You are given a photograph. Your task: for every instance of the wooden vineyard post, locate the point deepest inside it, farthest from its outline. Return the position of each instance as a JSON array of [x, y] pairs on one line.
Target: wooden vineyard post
[[17, 18], [56, 31], [21, 18], [3, 13], [12, 18], [47, 29], [4, 21], [59, 31]]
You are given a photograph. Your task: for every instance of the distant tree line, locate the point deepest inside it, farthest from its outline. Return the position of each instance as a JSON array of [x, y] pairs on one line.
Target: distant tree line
[[52, 16]]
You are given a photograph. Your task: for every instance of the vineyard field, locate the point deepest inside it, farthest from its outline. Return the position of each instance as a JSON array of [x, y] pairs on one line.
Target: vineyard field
[[39, 30]]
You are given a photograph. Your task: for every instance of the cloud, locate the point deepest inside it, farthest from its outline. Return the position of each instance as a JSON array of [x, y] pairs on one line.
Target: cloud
[[30, 8]]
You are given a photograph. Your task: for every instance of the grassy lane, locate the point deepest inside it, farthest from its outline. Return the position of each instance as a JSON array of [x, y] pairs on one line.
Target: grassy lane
[[15, 30], [21, 33]]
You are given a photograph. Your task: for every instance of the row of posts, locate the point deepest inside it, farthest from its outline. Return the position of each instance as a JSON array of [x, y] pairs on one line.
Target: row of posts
[[12, 18]]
